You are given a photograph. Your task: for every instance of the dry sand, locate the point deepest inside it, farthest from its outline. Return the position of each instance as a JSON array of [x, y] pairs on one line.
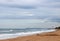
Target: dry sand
[[51, 36]]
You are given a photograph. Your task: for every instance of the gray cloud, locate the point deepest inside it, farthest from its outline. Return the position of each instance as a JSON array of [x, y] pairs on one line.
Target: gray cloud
[[18, 6], [33, 4], [46, 9], [53, 0]]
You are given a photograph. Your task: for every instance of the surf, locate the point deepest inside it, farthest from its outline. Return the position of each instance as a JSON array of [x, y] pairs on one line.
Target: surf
[[15, 35]]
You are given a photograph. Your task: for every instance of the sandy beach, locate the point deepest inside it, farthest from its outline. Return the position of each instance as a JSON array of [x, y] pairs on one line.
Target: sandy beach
[[51, 36]]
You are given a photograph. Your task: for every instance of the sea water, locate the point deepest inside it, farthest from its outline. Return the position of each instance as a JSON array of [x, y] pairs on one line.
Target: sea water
[[13, 33], [12, 28]]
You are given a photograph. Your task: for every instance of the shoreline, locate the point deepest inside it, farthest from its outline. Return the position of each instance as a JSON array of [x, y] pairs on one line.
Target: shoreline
[[12, 36], [48, 36]]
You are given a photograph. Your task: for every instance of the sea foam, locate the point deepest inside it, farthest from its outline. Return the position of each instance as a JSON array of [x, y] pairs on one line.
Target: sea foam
[[9, 36]]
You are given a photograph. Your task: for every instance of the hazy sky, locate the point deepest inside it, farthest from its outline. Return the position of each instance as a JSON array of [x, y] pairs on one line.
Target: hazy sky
[[30, 9]]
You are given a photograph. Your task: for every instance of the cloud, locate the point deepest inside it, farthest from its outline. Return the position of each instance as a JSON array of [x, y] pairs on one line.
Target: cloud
[[52, 5], [30, 4], [27, 4], [18, 6], [30, 9], [54, 19], [41, 13]]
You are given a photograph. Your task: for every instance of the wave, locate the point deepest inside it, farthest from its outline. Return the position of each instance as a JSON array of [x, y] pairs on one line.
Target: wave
[[7, 31], [8, 36]]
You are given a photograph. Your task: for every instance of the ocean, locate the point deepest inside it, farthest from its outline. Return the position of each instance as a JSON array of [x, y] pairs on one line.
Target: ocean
[[12, 28], [13, 33]]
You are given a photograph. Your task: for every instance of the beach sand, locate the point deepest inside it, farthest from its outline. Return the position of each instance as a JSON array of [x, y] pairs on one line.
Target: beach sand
[[51, 36]]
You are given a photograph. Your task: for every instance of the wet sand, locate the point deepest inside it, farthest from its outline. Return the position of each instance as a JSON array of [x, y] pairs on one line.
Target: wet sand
[[51, 36]]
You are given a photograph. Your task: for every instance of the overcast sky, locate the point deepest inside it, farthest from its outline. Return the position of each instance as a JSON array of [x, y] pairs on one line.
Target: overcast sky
[[30, 9]]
